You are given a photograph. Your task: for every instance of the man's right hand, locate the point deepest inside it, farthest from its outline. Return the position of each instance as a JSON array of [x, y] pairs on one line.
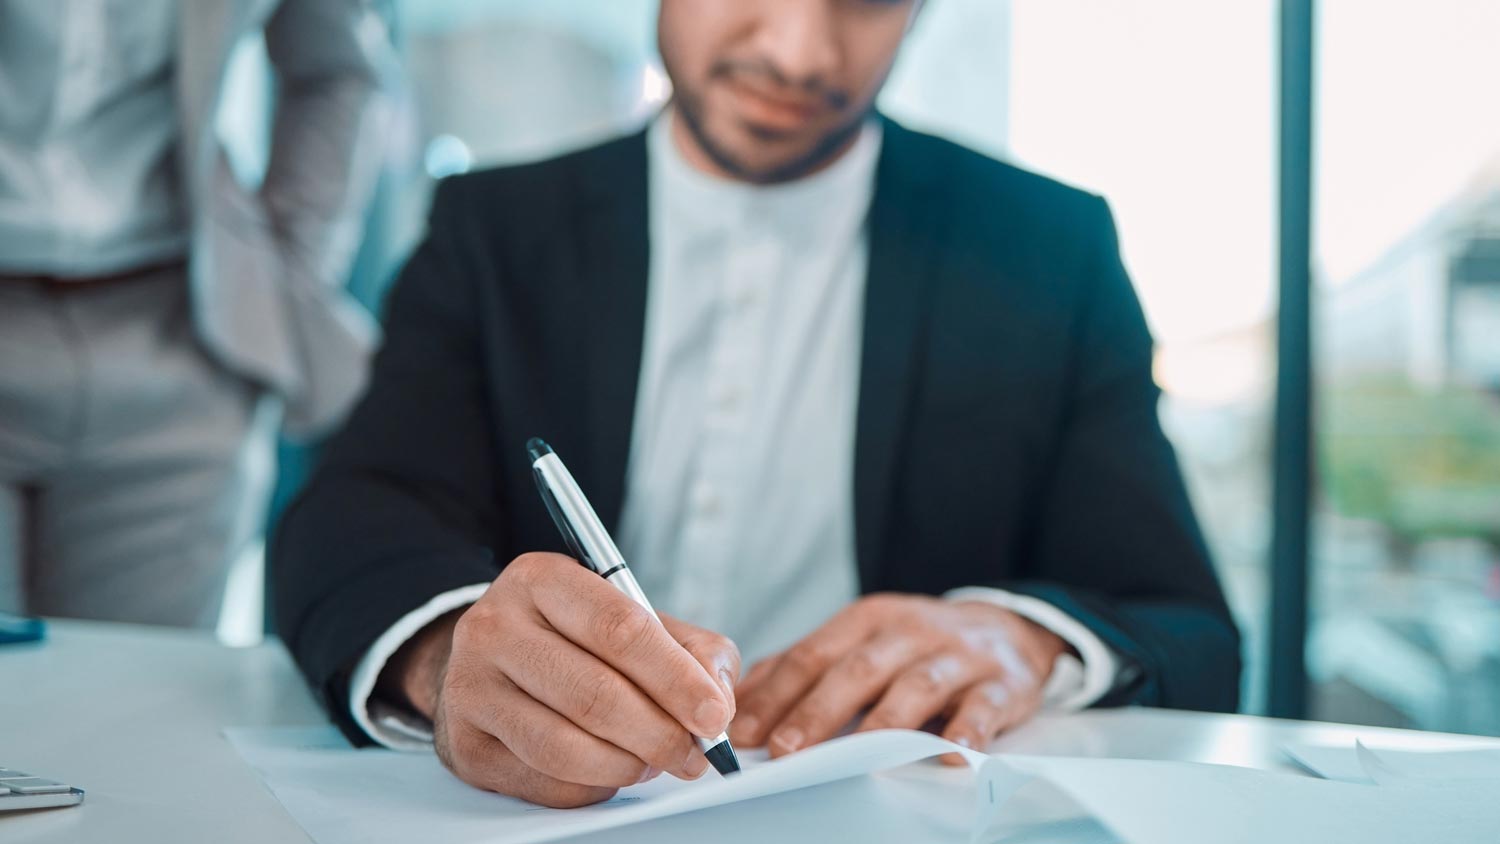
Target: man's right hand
[[556, 688]]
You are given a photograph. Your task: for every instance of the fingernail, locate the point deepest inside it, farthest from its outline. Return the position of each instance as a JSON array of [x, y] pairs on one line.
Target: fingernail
[[648, 775], [788, 738], [726, 680], [695, 764], [710, 717], [963, 741]]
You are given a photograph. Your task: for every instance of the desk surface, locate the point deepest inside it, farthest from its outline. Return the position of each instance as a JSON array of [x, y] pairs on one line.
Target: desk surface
[[132, 715]]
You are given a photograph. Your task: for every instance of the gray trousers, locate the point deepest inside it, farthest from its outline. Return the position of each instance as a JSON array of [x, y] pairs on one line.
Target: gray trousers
[[133, 468]]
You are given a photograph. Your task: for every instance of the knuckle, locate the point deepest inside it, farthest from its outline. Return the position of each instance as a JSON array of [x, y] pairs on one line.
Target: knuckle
[[523, 569], [482, 624], [471, 625], [622, 626], [596, 695], [924, 682], [806, 659], [861, 667]]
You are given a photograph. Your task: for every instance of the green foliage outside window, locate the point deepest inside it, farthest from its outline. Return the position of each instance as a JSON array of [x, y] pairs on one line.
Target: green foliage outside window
[[1424, 463]]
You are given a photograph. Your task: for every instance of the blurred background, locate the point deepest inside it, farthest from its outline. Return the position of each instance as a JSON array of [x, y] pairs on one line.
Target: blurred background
[[1169, 109]]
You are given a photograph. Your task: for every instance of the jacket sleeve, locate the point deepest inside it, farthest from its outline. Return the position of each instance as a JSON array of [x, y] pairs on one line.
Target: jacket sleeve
[[332, 63], [402, 506], [1117, 545]]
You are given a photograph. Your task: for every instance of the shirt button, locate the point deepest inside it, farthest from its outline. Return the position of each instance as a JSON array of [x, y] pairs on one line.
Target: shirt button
[[707, 501], [729, 399]]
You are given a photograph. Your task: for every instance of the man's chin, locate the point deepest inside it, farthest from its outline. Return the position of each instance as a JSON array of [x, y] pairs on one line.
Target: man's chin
[[762, 154], [761, 169], [768, 157]]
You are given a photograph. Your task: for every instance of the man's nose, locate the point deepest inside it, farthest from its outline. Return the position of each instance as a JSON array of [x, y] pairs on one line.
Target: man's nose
[[799, 38]]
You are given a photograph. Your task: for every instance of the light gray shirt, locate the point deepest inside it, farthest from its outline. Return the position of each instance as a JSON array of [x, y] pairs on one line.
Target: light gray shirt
[[88, 137], [738, 511], [739, 492]]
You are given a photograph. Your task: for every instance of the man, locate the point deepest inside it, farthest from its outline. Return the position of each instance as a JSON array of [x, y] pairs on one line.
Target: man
[[794, 354], [154, 313]]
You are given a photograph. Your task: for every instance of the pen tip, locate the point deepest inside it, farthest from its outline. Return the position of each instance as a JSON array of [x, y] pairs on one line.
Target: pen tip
[[537, 448], [723, 758]]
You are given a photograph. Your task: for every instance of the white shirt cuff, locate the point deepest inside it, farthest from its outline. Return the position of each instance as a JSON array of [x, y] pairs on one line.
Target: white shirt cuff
[[1076, 682], [387, 725]]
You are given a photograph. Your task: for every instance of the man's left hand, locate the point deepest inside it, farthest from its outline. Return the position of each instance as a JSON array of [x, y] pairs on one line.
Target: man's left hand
[[908, 659]]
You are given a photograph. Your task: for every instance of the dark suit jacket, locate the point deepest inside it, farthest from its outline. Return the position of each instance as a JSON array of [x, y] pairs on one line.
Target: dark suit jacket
[[1007, 431]]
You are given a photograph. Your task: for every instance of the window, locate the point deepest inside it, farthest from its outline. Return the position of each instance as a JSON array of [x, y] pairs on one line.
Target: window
[[1405, 626], [1165, 108]]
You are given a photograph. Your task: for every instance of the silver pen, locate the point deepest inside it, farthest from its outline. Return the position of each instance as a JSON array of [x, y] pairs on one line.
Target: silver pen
[[595, 549]]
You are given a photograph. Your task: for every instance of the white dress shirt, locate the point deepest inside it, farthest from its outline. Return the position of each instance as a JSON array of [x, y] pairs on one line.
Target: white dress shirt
[[739, 504], [88, 135]]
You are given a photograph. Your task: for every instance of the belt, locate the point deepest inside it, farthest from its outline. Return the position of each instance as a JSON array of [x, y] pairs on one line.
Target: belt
[[79, 284]]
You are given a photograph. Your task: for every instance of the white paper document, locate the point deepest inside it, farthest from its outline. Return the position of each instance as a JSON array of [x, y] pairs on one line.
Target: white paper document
[[341, 796], [1362, 763], [1155, 802]]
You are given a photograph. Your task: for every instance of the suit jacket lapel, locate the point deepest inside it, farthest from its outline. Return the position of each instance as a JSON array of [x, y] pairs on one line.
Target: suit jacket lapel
[[612, 237], [904, 234]]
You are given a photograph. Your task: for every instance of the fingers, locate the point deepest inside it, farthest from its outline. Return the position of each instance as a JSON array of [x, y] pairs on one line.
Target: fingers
[[483, 761], [595, 697], [925, 689], [547, 691], [719, 656], [988, 708], [764, 705], [588, 611], [849, 686], [549, 743], [758, 673]]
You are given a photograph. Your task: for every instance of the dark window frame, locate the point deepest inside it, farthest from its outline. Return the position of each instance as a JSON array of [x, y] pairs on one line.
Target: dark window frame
[[1292, 456]]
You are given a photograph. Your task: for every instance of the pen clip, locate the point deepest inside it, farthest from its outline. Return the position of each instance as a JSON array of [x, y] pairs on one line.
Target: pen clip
[[563, 526]]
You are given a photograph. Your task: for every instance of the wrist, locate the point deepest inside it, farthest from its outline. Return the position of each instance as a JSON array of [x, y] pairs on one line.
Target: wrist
[[1048, 645], [414, 674]]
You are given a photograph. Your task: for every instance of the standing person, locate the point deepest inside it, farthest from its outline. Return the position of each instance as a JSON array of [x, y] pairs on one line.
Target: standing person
[[156, 316], [869, 406]]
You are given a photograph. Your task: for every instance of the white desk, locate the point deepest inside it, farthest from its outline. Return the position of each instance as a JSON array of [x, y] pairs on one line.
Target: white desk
[[121, 711]]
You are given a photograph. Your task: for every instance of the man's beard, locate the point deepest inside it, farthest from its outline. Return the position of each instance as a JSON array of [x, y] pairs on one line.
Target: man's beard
[[690, 109]]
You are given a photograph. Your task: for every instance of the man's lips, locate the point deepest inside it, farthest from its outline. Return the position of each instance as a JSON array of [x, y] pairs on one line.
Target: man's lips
[[774, 110]]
